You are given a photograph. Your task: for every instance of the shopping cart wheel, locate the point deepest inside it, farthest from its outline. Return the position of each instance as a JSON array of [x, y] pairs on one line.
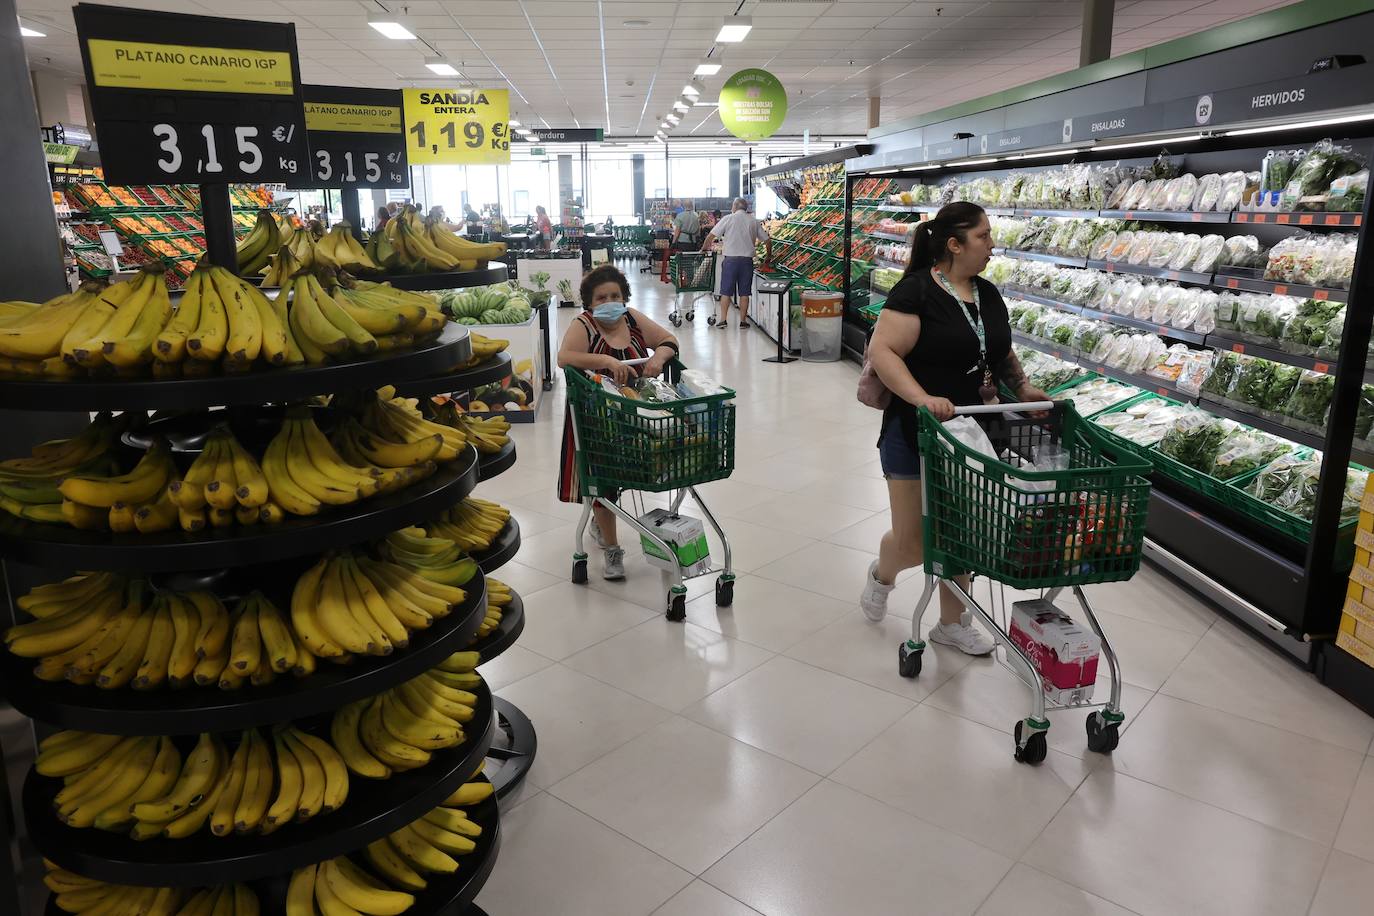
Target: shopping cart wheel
[[677, 605], [1037, 746], [711, 321], [909, 658], [691, 315], [579, 571], [675, 319], [1102, 736], [725, 591]]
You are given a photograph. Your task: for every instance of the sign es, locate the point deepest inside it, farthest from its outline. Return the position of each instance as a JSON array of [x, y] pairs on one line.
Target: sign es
[[192, 99], [457, 126], [753, 104], [356, 139]]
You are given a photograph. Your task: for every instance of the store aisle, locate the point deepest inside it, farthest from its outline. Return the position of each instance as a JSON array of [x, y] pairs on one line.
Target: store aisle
[[767, 758]]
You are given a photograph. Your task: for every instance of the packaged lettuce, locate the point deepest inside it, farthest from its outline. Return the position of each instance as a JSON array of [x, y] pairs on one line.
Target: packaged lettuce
[[1187, 252], [1253, 381], [1223, 374], [1277, 168], [1232, 191], [1208, 190], [1196, 369], [1181, 192], [1063, 330], [1209, 250], [1165, 248], [1118, 194], [1330, 347], [1364, 418], [1306, 329], [1166, 309], [1059, 238], [1278, 476], [1311, 398], [1263, 317], [1347, 193], [1195, 439], [1145, 307], [1029, 317], [1281, 387], [1243, 451], [1300, 498], [1323, 164], [1061, 281], [1228, 310], [1205, 321], [1085, 286], [1089, 334], [1240, 251], [1134, 195], [1084, 236], [1141, 247]]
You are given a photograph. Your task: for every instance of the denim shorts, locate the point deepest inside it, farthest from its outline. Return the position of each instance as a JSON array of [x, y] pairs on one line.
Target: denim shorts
[[737, 276], [898, 459]]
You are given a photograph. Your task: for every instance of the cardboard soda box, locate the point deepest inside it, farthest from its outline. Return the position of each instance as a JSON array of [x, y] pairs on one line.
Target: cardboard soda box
[[684, 534], [1063, 652]]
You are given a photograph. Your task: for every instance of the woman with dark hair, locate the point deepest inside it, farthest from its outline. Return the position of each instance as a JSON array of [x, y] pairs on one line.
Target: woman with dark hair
[[942, 339], [606, 333]]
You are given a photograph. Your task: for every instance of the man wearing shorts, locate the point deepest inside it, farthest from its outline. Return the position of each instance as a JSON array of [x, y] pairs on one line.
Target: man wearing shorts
[[740, 232]]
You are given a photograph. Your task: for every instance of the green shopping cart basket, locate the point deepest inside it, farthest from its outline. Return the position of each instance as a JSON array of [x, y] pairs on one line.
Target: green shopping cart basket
[[693, 274]]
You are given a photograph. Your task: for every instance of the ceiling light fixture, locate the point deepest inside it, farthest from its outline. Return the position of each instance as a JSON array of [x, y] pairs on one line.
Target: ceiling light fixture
[[1057, 152], [970, 161], [635, 23], [442, 67], [31, 33], [734, 29], [680, 106], [1184, 139], [705, 104], [390, 26], [707, 67], [691, 91], [1324, 122], [513, 123]]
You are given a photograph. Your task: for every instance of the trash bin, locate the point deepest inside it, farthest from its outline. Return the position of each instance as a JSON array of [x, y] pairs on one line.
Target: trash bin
[[822, 324]]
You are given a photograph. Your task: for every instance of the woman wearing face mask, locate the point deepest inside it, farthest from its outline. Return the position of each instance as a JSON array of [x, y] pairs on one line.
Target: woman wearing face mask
[[606, 333]]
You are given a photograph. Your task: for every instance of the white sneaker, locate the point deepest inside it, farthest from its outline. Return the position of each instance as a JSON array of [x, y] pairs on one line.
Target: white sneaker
[[874, 597], [595, 530], [615, 563], [962, 636]]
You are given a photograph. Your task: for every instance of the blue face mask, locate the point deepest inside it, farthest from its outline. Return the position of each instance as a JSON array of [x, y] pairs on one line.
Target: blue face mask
[[609, 312]]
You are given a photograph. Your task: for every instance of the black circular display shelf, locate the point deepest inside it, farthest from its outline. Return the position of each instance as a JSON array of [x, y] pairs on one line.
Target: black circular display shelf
[[179, 712], [452, 347], [489, 466], [446, 895], [451, 279], [513, 750], [504, 636], [68, 548], [484, 373], [503, 548], [374, 809]]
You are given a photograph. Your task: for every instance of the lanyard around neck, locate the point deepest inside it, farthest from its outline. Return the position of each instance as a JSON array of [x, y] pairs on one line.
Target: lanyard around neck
[[975, 321]]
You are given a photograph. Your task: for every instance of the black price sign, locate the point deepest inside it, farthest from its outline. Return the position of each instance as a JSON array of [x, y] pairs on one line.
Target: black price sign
[[356, 139], [192, 99]]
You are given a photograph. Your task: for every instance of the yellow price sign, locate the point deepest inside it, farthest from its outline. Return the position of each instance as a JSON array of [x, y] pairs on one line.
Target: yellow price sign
[[457, 126]]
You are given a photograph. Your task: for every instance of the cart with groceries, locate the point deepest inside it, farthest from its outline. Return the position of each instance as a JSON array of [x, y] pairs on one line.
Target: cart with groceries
[[693, 274], [1033, 497], [655, 436]]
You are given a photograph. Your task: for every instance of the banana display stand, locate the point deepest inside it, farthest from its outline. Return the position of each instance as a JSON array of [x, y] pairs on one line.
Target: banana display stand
[[348, 840]]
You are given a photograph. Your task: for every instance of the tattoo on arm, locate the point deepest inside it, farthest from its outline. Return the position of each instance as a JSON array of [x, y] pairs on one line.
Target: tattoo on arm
[[1011, 373]]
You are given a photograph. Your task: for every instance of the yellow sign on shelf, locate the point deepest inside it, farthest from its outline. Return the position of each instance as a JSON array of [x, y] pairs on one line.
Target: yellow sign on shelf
[[352, 119], [143, 65], [457, 126]]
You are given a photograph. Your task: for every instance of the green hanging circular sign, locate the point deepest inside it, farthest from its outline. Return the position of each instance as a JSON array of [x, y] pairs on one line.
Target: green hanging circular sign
[[753, 104]]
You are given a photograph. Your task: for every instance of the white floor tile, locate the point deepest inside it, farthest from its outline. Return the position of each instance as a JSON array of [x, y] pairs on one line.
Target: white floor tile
[[685, 792], [826, 569], [526, 580], [959, 775], [803, 714], [767, 613], [752, 545], [1356, 834], [1156, 852], [1347, 887], [554, 859], [550, 551], [837, 851], [567, 618], [1148, 652], [1026, 891], [1273, 776], [1152, 596], [671, 665], [805, 515], [511, 665], [701, 899], [1233, 672], [866, 535], [578, 720]]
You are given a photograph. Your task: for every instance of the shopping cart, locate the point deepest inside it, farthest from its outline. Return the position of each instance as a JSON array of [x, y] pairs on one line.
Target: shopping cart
[[694, 274], [625, 444], [1031, 529]]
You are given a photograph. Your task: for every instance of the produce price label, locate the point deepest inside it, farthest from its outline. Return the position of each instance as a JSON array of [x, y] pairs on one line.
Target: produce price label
[[356, 139], [193, 99], [457, 126]]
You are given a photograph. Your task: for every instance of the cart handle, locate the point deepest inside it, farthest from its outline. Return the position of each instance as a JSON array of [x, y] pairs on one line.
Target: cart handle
[[1001, 408]]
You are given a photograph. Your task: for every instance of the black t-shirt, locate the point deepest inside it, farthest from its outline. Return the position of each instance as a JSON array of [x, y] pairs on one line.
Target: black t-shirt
[[945, 359]]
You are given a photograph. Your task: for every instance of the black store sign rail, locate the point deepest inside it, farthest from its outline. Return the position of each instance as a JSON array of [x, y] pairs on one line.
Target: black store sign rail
[[356, 139], [184, 99]]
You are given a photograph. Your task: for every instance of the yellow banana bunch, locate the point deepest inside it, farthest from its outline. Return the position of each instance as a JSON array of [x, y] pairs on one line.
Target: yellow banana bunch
[[415, 314], [283, 266], [498, 596], [88, 498], [484, 348], [29, 486], [259, 244], [77, 894], [472, 524], [428, 845], [437, 559], [396, 420], [340, 250], [488, 436], [302, 245], [32, 337], [417, 253], [397, 730], [466, 250]]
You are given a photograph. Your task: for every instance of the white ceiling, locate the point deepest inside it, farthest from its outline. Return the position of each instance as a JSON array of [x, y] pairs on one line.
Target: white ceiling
[[830, 54]]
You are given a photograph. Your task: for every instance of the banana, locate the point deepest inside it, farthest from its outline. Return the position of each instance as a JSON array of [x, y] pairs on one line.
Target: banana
[[200, 774], [245, 901], [181, 663], [130, 769], [339, 622], [420, 853], [189, 492], [304, 613], [442, 839], [152, 670], [39, 335], [454, 821], [259, 244], [222, 818], [161, 776], [74, 591], [358, 336], [140, 485], [313, 779], [246, 644], [194, 820], [219, 491], [404, 725], [419, 698], [344, 732], [411, 615], [310, 353], [360, 591], [212, 633], [170, 344], [207, 342], [312, 323], [326, 459], [130, 301], [278, 646], [384, 858], [314, 479], [289, 787], [470, 793], [463, 662], [83, 662], [120, 669], [282, 487], [395, 753], [356, 889], [159, 515], [244, 343], [276, 348], [135, 347], [300, 894], [58, 634], [257, 786], [335, 770]]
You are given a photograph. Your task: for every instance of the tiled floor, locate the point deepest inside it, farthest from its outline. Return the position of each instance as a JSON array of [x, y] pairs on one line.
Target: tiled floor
[[768, 759]]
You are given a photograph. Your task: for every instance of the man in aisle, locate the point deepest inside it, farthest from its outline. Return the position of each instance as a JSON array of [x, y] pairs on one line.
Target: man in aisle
[[740, 232], [686, 230]]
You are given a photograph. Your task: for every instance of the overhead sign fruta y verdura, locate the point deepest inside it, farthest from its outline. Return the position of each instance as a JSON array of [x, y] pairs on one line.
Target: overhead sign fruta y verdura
[[357, 139], [457, 126], [753, 104]]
